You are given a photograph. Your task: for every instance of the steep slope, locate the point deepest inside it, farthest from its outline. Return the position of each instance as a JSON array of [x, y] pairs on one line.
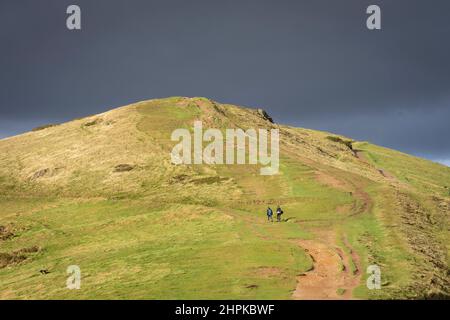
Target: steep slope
[[101, 192]]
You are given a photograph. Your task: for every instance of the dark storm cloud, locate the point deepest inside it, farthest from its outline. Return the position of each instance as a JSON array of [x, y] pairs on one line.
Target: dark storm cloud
[[309, 63]]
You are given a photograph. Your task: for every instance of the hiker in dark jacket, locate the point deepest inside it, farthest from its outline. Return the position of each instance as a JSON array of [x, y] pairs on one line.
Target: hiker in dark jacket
[[269, 214], [279, 213]]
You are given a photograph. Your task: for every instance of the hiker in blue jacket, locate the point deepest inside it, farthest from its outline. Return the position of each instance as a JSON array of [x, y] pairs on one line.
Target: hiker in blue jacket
[[269, 214]]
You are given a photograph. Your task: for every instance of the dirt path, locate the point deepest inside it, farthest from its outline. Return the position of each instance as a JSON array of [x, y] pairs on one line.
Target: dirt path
[[336, 270], [336, 266], [332, 276], [323, 281]]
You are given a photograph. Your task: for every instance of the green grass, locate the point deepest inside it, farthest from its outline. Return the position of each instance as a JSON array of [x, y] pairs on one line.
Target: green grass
[[129, 249], [152, 249], [424, 175], [340, 291], [161, 231]]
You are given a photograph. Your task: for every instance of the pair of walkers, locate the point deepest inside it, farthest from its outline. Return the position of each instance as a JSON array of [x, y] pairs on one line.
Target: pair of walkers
[[270, 214]]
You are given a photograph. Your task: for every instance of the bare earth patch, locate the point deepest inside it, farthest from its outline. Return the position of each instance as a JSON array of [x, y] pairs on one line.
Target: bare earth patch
[[6, 233], [16, 257], [331, 276], [268, 272]]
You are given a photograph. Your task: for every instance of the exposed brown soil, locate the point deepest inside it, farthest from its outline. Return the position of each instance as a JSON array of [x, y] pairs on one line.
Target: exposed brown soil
[[356, 189], [6, 233], [333, 276], [7, 259], [268, 272], [361, 156], [16, 257], [331, 273], [386, 174], [331, 181]]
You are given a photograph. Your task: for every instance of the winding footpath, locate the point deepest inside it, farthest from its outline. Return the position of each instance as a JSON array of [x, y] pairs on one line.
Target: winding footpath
[[332, 276]]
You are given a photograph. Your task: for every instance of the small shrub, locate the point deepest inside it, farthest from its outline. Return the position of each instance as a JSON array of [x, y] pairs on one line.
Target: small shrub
[[263, 114], [40, 173], [123, 167], [45, 126], [93, 122], [348, 143], [179, 178], [209, 180]]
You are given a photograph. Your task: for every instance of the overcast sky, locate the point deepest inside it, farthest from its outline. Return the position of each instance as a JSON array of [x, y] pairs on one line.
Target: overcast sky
[[308, 63]]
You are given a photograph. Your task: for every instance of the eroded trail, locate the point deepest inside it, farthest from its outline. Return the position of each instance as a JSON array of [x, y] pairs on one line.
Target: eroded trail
[[322, 282], [335, 271]]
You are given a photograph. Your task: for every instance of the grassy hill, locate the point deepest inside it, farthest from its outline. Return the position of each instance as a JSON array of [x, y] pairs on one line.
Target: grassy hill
[[101, 193]]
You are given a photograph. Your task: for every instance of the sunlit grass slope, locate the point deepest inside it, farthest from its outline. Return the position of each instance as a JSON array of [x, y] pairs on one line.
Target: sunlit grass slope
[[101, 193]]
